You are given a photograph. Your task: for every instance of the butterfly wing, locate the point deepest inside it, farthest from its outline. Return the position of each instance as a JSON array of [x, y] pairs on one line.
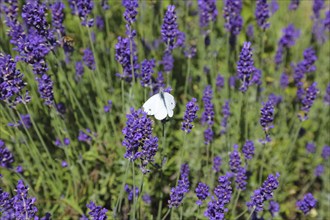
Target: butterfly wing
[[152, 105], [161, 111], [170, 103]]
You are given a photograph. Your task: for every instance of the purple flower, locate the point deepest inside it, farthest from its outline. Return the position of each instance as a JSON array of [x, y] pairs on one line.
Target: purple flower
[[207, 12], [79, 70], [147, 69], [139, 141], [217, 163], [60, 107], [310, 147], [262, 14], [317, 6], [225, 114], [88, 59], [256, 201], [319, 170], [270, 184], [326, 21], [250, 32], [107, 108], [284, 80], [34, 15], [202, 192], [267, 116], [234, 160], [25, 121], [274, 207], [232, 82], [130, 192], [220, 82], [256, 77], [178, 192], [85, 136], [189, 115], [19, 169], [123, 56], [265, 192], [248, 150], [319, 31], [307, 203], [273, 6], [99, 22], [288, 39], [11, 83], [64, 164], [167, 61], [16, 30], [96, 212], [6, 157], [276, 100], [232, 15], [245, 66], [326, 152], [159, 83], [290, 34], [20, 206], [190, 52], [208, 114], [241, 178], [58, 16], [105, 5], [294, 4], [131, 10], [169, 27], [216, 207], [66, 141], [208, 135], [146, 199], [308, 101], [84, 8], [180, 40], [326, 98], [45, 89], [305, 66]]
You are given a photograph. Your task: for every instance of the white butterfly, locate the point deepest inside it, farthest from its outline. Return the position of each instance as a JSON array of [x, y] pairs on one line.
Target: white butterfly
[[160, 105]]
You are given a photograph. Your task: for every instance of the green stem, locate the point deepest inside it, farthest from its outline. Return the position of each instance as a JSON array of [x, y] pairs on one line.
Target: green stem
[[187, 78]]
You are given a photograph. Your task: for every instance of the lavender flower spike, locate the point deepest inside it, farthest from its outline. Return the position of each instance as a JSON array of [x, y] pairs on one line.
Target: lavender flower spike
[[89, 59], [146, 72], [202, 192], [225, 114], [232, 15], [170, 27], [326, 98], [11, 83], [307, 203], [178, 192], [245, 66], [139, 142], [248, 150], [96, 212], [308, 101], [208, 114], [267, 116], [131, 10], [189, 115], [58, 17], [207, 12], [265, 192], [6, 157], [262, 14]]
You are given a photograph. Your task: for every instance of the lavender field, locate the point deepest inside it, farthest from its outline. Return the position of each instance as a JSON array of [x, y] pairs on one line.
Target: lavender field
[[237, 126]]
